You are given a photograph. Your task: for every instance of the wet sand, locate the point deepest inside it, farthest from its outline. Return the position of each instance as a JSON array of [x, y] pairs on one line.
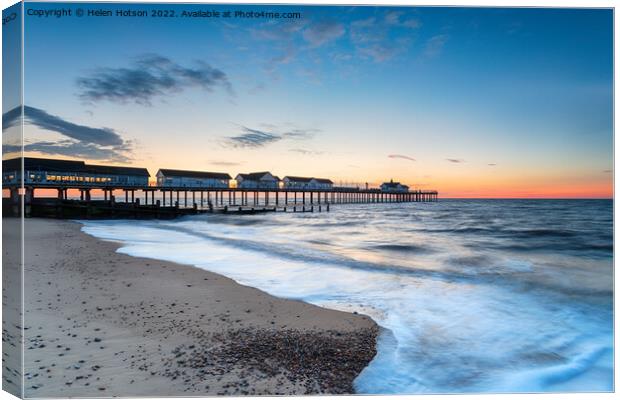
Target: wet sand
[[99, 323]]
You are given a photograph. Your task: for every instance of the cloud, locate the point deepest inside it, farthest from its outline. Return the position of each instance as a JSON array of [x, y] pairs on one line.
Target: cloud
[[300, 133], [379, 52], [307, 152], [322, 32], [40, 118], [396, 18], [377, 39], [401, 156], [149, 77], [287, 56], [278, 30], [608, 171], [455, 160], [79, 140], [434, 46], [80, 150], [361, 30], [254, 138], [225, 163], [492, 165]]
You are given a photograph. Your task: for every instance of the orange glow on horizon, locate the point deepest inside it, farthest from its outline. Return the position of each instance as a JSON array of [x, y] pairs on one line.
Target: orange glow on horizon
[[463, 181]]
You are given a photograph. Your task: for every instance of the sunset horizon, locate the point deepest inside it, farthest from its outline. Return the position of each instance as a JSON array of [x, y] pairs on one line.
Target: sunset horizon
[[474, 103]]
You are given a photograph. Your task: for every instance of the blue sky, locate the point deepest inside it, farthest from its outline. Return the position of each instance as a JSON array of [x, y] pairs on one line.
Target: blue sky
[[467, 100]]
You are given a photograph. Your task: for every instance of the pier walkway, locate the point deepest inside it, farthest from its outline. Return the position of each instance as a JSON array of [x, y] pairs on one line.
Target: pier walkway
[[162, 202]]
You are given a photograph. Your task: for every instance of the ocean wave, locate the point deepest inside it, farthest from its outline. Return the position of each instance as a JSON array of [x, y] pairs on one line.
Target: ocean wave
[[477, 296], [404, 248], [483, 275]]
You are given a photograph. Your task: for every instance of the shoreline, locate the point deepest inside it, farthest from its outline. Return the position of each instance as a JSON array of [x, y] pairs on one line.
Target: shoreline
[[100, 323]]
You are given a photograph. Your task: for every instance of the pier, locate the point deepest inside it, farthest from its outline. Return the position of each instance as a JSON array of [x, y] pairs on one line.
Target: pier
[[75, 189], [71, 200]]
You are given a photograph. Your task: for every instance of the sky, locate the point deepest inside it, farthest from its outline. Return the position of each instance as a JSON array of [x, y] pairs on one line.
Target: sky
[[472, 102]]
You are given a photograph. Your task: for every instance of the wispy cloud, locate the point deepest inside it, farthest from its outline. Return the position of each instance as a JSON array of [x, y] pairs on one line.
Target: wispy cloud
[[286, 57], [79, 140], [81, 150], [455, 160], [306, 152], [379, 52], [225, 163], [255, 138], [434, 46], [374, 38], [492, 165], [278, 30], [149, 77], [401, 156], [322, 32], [252, 138], [300, 133], [83, 133], [401, 19]]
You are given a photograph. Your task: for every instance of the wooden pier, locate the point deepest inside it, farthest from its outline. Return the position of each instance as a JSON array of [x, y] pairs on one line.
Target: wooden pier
[[170, 202]]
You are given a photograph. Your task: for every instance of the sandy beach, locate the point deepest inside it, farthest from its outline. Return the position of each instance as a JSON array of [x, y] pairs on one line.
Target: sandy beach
[[99, 323]]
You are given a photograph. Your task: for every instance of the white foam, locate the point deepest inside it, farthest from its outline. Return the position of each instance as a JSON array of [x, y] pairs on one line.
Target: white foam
[[440, 336]]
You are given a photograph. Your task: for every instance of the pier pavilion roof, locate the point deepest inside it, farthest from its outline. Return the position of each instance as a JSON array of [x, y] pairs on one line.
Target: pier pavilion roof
[[55, 165], [392, 184], [256, 176], [304, 179], [298, 179], [106, 169], [178, 173]]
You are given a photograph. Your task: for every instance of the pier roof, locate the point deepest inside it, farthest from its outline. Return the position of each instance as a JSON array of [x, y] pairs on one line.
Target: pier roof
[[106, 169], [194, 174], [256, 176], [305, 179], [47, 164], [54, 165], [391, 184], [298, 179]]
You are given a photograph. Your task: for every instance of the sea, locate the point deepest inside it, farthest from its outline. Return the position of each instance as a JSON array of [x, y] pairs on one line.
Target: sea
[[473, 296]]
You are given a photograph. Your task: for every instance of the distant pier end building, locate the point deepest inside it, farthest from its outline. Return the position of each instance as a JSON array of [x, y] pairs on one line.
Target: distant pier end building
[[394, 187], [193, 179], [257, 180], [298, 182], [50, 172]]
